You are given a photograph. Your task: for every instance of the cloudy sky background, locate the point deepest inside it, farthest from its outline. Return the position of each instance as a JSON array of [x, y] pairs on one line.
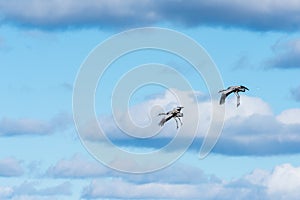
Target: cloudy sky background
[[257, 44]]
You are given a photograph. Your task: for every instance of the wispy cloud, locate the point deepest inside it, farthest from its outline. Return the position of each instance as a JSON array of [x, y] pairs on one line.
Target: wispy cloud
[[177, 181], [295, 92], [27, 126], [5, 192], [67, 86], [287, 55], [76, 167], [276, 15], [31, 188], [2, 43], [80, 167], [118, 188], [10, 167]]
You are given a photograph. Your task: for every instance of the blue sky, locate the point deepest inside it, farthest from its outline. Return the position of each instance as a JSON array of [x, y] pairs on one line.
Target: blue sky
[[43, 45]]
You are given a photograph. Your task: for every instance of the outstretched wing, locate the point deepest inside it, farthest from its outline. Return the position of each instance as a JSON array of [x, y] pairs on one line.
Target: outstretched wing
[[225, 93], [165, 119], [223, 97]]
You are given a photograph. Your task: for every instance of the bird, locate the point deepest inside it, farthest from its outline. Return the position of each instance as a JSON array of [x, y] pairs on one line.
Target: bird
[[175, 114], [231, 89]]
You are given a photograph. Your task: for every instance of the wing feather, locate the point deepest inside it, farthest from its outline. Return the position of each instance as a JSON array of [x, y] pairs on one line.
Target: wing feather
[[165, 119]]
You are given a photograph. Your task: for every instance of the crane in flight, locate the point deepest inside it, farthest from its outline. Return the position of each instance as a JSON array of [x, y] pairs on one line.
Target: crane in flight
[[232, 89], [175, 114]]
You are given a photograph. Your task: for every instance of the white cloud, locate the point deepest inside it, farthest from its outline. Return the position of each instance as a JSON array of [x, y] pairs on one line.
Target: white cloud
[[249, 106], [250, 129], [140, 113], [290, 116], [281, 183], [143, 118], [284, 182], [10, 167]]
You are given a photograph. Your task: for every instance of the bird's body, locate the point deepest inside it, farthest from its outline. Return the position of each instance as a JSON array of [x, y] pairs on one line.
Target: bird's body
[[232, 89], [175, 113]]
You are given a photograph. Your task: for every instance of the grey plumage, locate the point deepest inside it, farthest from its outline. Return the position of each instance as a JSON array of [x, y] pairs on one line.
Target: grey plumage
[[232, 89], [175, 113]]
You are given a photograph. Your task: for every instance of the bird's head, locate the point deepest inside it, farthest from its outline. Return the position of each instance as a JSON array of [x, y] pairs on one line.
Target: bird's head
[[179, 107], [244, 87]]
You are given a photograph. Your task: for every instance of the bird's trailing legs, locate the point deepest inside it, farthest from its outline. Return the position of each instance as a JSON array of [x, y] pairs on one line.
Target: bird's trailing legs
[[180, 121], [175, 118], [238, 99], [176, 122]]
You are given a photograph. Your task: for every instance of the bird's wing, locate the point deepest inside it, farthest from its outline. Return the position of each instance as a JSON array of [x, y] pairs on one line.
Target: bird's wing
[[228, 90], [224, 95], [171, 112], [165, 119], [231, 89]]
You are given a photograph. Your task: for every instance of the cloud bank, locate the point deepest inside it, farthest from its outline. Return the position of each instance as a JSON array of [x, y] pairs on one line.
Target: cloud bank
[[251, 129], [281, 183], [179, 181], [258, 15]]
